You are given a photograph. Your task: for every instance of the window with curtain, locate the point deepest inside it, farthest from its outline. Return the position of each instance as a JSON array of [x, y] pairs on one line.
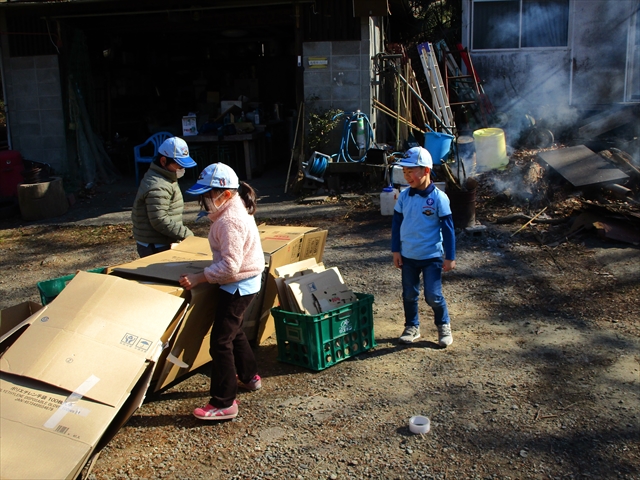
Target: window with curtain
[[500, 24]]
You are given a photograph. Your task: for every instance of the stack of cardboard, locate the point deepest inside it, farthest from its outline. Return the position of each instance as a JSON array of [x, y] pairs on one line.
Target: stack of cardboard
[[74, 371], [308, 287]]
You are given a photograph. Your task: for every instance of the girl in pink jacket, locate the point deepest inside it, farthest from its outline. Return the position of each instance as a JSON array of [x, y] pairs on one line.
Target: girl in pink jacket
[[238, 262]]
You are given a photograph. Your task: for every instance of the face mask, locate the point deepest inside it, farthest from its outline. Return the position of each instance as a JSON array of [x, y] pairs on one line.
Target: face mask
[[210, 203], [180, 172]]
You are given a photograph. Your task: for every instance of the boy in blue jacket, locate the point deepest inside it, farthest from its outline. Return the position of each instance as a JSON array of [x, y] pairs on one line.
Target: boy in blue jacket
[[423, 242]]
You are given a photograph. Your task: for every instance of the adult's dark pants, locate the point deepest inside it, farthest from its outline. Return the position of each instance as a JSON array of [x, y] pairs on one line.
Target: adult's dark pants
[[230, 349], [151, 249]]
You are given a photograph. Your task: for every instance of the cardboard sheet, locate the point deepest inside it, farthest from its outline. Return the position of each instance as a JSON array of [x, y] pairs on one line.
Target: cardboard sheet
[[288, 271], [100, 326], [307, 290], [78, 371]]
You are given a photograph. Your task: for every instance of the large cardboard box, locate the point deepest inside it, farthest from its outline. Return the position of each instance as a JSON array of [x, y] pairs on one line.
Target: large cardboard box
[[281, 246], [78, 371]]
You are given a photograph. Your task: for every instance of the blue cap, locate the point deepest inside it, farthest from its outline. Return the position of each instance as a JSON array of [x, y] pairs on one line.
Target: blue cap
[[216, 175], [177, 149], [416, 157]]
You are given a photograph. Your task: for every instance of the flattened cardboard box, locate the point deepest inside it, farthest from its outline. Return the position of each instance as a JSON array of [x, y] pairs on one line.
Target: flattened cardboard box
[[319, 292], [65, 429], [102, 317], [282, 246], [78, 372], [188, 348], [280, 274], [192, 255]]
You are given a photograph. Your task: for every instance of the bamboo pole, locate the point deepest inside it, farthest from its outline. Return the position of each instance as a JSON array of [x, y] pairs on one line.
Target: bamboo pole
[[293, 147], [384, 109], [532, 219]]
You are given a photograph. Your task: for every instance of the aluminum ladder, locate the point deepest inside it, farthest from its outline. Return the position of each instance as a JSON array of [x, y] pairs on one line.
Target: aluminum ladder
[[436, 85]]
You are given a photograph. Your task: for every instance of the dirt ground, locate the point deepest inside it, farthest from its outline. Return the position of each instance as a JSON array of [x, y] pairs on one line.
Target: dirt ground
[[542, 380]]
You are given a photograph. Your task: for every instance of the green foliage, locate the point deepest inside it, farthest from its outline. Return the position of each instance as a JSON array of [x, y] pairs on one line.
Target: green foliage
[[417, 21], [320, 126]]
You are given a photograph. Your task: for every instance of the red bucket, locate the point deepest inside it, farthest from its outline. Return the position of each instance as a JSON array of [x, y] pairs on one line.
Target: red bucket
[[11, 167]]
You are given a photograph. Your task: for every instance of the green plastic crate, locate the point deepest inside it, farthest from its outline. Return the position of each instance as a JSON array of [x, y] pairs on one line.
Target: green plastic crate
[[50, 289], [319, 341]]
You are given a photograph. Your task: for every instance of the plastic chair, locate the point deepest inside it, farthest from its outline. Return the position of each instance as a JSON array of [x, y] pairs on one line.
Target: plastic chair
[[154, 140]]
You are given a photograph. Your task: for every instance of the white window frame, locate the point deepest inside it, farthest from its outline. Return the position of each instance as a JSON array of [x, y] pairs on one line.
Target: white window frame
[[520, 16], [632, 94]]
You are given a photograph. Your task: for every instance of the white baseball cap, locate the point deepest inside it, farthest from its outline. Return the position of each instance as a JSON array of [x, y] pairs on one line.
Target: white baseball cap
[[416, 157], [216, 175], [178, 150]]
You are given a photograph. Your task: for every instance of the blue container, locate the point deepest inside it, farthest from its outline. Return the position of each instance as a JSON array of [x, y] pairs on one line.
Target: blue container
[[438, 145]]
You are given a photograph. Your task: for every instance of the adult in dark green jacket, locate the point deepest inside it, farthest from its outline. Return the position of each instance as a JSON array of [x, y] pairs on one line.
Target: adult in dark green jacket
[[157, 209]]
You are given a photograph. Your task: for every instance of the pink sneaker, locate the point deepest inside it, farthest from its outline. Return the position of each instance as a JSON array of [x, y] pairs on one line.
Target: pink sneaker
[[212, 413], [254, 384]]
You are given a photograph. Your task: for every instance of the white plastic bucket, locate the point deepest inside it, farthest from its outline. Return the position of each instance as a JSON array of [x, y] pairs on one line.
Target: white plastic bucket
[[491, 149], [397, 177], [388, 199]]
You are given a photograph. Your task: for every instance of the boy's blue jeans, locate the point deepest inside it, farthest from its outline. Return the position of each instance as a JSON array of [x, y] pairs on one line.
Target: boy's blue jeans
[[431, 270]]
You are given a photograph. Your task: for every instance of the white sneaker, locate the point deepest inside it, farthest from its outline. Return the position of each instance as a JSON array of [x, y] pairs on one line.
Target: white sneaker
[[444, 335], [410, 334]]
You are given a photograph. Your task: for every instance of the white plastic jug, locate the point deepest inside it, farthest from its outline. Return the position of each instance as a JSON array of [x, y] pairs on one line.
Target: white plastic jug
[[397, 175], [388, 199]]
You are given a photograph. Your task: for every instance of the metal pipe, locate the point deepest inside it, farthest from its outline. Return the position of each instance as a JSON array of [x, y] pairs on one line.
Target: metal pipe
[[4, 95], [3, 45], [420, 99]]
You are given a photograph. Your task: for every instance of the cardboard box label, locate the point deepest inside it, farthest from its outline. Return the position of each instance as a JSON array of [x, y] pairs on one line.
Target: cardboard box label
[[60, 428]]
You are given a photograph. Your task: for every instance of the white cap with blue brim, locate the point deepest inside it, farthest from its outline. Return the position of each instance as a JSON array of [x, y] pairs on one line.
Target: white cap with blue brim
[[178, 150], [216, 175], [416, 157]]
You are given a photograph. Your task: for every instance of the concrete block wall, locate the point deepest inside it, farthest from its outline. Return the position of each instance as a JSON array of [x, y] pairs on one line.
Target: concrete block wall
[[344, 82], [35, 113], [347, 82]]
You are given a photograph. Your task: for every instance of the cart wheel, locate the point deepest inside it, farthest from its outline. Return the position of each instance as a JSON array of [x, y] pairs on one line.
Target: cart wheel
[[539, 138]]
